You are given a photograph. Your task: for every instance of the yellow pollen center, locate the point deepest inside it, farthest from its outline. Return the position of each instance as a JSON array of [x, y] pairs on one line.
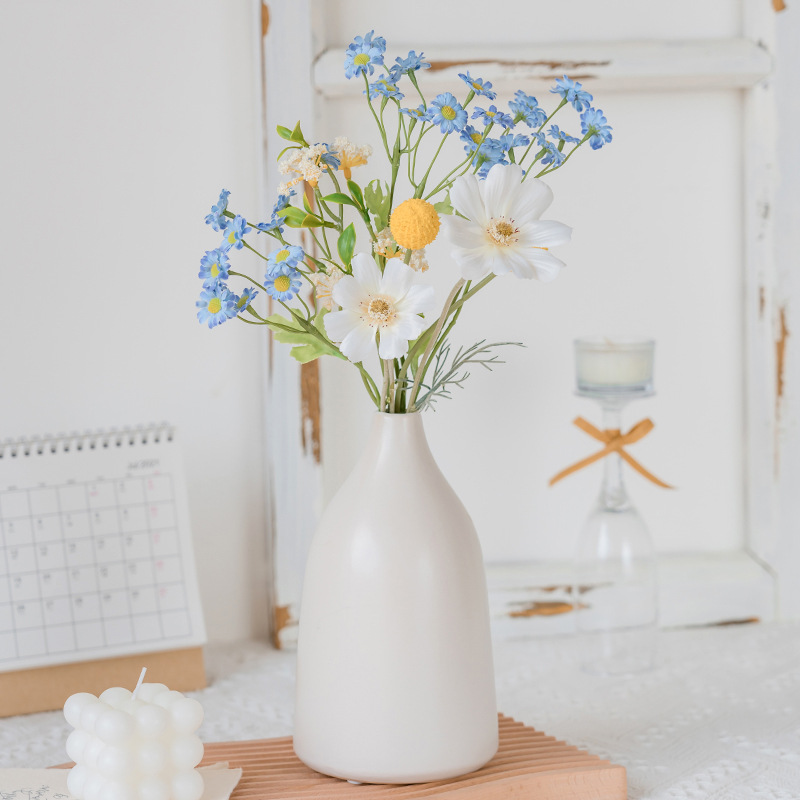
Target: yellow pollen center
[[476, 137], [380, 309], [449, 113], [214, 305], [361, 59], [231, 237], [282, 283], [477, 87], [490, 113], [282, 255], [502, 232], [214, 270]]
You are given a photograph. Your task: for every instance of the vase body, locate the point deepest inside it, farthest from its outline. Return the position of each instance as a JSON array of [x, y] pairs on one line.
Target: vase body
[[395, 680]]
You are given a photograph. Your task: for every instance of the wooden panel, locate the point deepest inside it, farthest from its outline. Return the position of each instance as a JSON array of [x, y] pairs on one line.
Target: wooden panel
[[47, 688], [528, 764], [624, 66]]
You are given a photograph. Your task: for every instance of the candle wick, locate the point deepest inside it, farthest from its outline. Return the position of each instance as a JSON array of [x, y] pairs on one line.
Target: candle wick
[[141, 678]]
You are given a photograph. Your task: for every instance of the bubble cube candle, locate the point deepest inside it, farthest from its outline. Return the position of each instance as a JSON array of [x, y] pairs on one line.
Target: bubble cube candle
[[134, 745]]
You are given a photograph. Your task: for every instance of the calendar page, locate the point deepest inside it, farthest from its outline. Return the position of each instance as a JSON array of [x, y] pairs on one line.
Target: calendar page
[[96, 555]]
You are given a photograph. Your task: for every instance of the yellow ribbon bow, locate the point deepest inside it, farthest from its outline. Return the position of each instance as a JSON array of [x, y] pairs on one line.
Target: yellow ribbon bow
[[614, 442]]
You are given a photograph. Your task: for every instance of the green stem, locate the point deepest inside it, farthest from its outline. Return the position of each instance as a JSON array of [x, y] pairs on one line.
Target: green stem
[[429, 349], [369, 384], [247, 278], [421, 188], [377, 121]]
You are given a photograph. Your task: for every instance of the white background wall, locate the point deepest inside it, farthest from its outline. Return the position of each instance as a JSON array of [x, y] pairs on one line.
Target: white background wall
[[121, 123]]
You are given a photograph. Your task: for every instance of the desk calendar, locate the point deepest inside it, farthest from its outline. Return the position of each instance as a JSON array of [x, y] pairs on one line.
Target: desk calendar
[[96, 554]]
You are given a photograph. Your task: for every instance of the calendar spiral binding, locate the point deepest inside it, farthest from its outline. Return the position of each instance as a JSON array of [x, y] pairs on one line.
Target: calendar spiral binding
[[88, 440]]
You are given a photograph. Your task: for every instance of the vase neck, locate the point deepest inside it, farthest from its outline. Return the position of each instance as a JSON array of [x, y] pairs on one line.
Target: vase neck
[[396, 441]]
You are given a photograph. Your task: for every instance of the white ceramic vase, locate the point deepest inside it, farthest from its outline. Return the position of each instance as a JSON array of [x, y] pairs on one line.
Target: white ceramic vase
[[395, 680]]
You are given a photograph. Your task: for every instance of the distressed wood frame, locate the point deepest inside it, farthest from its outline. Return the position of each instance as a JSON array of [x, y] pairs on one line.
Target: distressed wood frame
[[756, 582]]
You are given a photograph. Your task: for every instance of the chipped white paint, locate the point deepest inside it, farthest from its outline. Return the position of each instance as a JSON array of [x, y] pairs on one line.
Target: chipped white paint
[[622, 66], [294, 478]]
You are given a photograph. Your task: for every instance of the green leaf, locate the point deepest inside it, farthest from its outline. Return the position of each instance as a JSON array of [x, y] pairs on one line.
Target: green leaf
[[355, 190], [341, 198], [346, 244], [378, 202], [284, 133], [308, 345], [297, 135], [444, 206], [307, 205], [290, 147], [294, 216]]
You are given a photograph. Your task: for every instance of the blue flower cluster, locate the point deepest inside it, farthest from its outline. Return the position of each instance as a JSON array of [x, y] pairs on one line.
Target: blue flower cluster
[[217, 302]]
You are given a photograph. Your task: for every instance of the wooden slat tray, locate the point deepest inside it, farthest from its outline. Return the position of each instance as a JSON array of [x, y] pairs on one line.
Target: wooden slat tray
[[528, 764]]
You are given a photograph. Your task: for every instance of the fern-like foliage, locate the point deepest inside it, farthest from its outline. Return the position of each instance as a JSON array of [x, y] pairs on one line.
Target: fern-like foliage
[[446, 375]]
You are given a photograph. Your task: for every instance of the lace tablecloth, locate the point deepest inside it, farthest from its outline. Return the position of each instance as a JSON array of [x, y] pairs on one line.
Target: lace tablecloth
[[719, 718]]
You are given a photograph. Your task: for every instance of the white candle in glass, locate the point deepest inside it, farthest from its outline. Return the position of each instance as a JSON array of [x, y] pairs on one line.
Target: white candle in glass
[[134, 745], [605, 364]]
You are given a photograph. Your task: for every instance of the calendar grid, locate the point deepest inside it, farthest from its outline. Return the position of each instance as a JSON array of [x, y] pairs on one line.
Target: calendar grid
[[96, 556]]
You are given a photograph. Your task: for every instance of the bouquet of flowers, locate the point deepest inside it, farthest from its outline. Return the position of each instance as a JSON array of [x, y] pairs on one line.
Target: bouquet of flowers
[[359, 305]]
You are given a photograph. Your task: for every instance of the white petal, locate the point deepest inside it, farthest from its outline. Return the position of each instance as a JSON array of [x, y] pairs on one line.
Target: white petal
[[465, 196], [397, 278], [547, 266], [544, 233], [359, 343], [501, 261], [366, 272], [409, 326], [392, 345], [531, 200], [339, 323], [418, 300], [474, 263], [499, 190], [348, 292], [521, 263], [463, 233]]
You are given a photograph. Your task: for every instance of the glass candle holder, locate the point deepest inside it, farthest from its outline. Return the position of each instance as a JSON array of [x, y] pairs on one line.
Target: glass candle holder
[[615, 590]]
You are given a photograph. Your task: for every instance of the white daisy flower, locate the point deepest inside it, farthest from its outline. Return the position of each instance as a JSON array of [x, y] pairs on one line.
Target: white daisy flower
[[503, 232], [372, 304]]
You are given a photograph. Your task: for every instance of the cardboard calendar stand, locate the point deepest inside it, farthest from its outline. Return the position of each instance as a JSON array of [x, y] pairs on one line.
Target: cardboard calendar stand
[[47, 688]]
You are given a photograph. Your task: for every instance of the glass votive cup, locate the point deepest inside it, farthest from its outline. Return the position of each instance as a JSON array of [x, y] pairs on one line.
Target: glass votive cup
[[614, 365]]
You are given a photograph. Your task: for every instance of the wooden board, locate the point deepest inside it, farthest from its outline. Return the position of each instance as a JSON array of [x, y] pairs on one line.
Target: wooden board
[[47, 688], [528, 764]]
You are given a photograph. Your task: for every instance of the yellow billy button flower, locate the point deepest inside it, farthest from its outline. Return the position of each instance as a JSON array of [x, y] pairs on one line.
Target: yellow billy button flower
[[414, 224]]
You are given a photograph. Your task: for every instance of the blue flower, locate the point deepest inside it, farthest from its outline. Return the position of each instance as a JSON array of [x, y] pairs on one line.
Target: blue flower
[[511, 140], [276, 220], [526, 109], [572, 92], [214, 266], [216, 305], [363, 54], [472, 137], [478, 85], [247, 297], [216, 219], [420, 112], [496, 157], [552, 155], [234, 231], [556, 133], [493, 115], [385, 87], [282, 283], [410, 63], [595, 125], [446, 112], [329, 157], [289, 256], [367, 40]]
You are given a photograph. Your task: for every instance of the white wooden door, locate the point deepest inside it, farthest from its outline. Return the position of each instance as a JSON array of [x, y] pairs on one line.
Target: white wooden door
[[675, 237]]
